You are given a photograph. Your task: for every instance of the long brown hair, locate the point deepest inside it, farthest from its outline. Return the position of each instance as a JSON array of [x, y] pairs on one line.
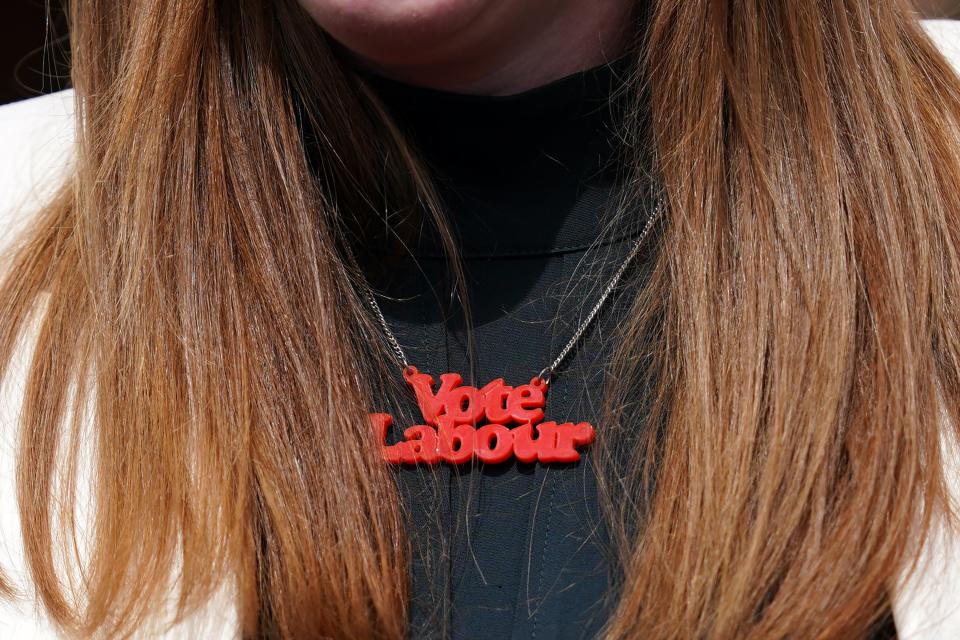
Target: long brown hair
[[199, 332]]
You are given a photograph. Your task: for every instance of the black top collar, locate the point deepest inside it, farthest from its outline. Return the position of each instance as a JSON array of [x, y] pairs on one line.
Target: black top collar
[[524, 174]]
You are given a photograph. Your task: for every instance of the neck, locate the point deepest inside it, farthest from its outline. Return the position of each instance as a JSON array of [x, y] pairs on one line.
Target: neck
[[531, 50]]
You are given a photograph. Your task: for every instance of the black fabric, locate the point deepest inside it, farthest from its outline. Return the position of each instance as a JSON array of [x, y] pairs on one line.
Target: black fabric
[[528, 181], [513, 550]]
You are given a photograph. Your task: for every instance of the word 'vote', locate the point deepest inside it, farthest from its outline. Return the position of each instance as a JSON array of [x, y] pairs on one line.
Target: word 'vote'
[[453, 412]]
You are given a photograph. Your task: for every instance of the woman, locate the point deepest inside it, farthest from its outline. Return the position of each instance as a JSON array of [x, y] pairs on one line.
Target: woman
[[718, 239]]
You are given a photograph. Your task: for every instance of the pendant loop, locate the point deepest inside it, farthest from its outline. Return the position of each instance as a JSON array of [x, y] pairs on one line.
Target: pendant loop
[[545, 375]]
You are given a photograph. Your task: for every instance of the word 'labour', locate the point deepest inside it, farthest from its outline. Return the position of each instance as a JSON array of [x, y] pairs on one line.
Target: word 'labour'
[[463, 423]]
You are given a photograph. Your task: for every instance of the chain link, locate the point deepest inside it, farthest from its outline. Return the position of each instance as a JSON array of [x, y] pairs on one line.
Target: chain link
[[547, 372], [391, 338]]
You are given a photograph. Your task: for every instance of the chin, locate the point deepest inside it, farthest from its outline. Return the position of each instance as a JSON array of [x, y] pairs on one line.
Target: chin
[[386, 30]]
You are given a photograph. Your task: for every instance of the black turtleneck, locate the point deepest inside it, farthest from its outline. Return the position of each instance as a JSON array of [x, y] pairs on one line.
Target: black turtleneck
[[513, 550], [520, 174]]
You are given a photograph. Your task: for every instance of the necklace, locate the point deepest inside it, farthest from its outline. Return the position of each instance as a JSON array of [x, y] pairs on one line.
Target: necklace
[[512, 418]]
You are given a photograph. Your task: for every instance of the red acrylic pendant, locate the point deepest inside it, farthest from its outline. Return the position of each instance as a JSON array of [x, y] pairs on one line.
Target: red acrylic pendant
[[462, 423]]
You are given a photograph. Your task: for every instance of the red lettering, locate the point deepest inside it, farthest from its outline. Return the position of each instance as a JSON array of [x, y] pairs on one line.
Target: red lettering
[[423, 444], [495, 401], [527, 448], [395, 453], [494, 443], [568, 437], [464, 405], [451, 413], [381, 423], [457, 443], [525, 404], [431, 405]]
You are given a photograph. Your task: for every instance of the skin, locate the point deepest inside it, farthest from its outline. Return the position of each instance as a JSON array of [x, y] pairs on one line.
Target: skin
[[490, 47]]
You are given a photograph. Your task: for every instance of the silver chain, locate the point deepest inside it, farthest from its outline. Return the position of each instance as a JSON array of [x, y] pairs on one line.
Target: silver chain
[[547, 372], [391, 339]]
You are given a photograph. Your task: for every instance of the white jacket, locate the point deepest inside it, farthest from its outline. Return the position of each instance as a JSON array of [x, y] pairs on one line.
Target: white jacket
[[36, 141]]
